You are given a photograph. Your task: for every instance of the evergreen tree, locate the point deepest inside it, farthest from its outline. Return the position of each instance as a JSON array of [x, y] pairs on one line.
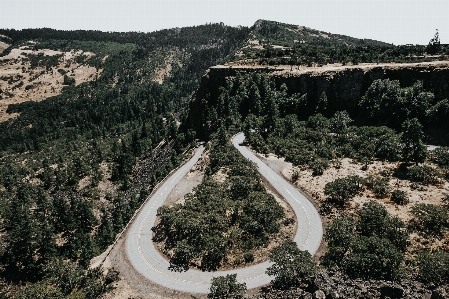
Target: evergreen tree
[[22, 237], [412, 136], [105, 234]]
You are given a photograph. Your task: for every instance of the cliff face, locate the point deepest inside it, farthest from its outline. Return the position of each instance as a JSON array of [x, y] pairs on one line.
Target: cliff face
[[342, 85]]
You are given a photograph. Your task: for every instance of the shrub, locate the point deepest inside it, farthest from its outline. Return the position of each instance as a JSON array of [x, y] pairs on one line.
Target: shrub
[[339, 235], [373, 257], [248, 257], [371, 247], [42, 289], [376, 221], [433, 267], [295, 175], [288, 221], [445, 199], [372, 219], [226, 287], [324, 151], [430, 218], [378, 185], [343, 189], [318, 166], [290, 265], [399, 197], [423, 174], [68, 80], [441, 157]]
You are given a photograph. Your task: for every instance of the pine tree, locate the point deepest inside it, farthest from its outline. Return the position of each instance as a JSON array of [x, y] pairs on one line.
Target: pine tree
[[412, 135], [105, 234], [22, 229], [45, 216]]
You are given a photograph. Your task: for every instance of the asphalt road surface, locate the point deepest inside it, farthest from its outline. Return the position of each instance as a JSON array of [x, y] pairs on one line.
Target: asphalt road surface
[[151, 264]]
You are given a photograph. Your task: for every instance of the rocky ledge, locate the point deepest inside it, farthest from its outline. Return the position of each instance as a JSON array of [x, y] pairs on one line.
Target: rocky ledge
[[334, 284]]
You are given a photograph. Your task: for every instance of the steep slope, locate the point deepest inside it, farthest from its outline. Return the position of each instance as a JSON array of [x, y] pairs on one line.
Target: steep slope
[[313, 104], [75, 165]]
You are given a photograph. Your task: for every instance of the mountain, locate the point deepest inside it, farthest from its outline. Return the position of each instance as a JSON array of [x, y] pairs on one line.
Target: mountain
[[91, 121], [288, 35], [274, 43]]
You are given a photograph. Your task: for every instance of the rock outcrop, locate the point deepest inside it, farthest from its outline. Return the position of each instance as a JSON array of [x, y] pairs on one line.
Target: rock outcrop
[[342, 85], [334, 284]]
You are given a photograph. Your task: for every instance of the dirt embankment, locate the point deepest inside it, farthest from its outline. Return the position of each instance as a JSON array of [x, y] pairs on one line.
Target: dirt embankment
[[132, 284], [23, 80]]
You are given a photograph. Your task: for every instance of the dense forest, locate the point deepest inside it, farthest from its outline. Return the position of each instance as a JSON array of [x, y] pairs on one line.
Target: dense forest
[[120, 128]]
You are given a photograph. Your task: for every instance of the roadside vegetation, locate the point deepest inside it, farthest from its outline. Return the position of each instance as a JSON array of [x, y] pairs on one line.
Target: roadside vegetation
[[226, 220]]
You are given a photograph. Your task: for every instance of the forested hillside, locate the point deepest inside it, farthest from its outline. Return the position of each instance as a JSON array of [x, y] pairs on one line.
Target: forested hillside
[[387, 221], [274, 43], [75, 166], [79, 158]]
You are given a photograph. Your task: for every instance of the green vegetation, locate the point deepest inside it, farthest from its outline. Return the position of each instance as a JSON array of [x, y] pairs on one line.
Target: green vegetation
[[414, 148], [226, 287], [64, 279], [423, 174], [434, 266], [441, 157], [378, 185], [274, 121], [293, 45], [430, 219], [399, 197], [119, 130], [393, 125], [75, 167], [343, 189], [220, 219], [290, 265], [371, 247]]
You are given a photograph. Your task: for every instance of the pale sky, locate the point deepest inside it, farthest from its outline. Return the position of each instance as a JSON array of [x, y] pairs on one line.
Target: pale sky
[[392, 21]]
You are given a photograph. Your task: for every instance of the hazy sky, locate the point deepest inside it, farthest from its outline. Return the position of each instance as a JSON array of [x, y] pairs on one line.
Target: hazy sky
[[393, 21]]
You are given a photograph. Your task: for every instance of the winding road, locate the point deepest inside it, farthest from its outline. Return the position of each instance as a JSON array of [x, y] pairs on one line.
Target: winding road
[[152, 265]]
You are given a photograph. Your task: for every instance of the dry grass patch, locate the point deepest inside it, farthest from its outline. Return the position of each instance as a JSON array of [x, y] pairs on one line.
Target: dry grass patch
[[20, 81], [417, 193]]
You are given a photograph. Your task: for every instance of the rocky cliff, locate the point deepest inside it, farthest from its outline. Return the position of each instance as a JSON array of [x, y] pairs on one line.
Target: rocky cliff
[[342, 85]]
